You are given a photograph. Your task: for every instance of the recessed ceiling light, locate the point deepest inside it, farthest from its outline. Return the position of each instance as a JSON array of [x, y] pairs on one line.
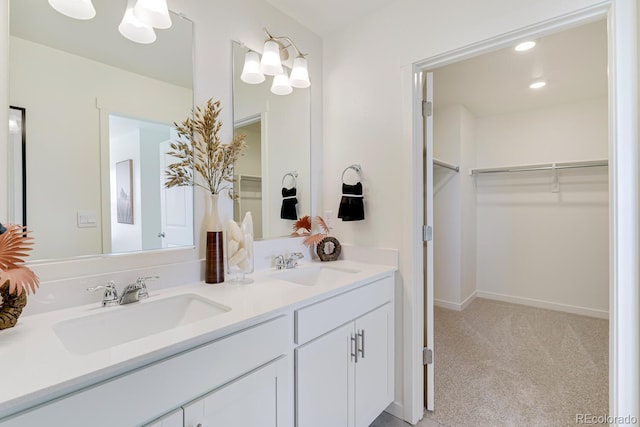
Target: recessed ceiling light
[[525, 46], [537, 85]]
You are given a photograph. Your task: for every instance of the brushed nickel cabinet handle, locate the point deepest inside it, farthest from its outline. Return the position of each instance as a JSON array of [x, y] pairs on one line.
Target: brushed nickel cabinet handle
[[354, 348], [361, 344]]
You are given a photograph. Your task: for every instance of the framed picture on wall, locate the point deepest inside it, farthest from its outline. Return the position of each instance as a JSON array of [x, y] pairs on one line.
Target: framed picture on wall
[[124, 188]]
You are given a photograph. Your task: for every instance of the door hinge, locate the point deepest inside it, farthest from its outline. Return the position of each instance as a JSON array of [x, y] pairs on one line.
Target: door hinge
[[427, 356], [427, 108], [427, 233]]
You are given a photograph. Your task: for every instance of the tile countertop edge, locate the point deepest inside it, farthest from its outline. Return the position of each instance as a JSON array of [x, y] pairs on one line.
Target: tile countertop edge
[[303, 296]]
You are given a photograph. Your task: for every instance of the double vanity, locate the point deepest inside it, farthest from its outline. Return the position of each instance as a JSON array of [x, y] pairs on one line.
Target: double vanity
[[307, 346]]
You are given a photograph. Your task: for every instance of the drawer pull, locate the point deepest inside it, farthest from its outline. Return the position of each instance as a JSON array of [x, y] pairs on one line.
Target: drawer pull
[[354, 348], [361, 344]]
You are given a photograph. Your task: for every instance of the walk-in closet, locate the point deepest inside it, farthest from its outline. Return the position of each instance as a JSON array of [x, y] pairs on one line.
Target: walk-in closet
[[521, 232]]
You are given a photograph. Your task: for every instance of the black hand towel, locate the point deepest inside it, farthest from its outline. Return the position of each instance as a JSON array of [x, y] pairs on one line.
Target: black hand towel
[[289, 202], [351, 203]]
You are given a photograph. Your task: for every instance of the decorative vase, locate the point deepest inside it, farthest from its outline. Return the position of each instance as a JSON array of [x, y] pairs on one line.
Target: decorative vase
[[214, 258], [11, 306], [240, 249]]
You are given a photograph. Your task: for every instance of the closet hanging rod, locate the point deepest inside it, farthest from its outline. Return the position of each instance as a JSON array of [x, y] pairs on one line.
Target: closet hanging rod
[[446, 165], [541, 167]]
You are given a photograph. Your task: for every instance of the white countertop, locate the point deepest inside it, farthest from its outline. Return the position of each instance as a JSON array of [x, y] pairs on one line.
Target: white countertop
[[37, 367]]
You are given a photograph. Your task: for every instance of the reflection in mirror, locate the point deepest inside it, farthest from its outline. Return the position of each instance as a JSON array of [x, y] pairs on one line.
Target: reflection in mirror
[[278, 135], [143, 213], [17, 166], [92, 73]]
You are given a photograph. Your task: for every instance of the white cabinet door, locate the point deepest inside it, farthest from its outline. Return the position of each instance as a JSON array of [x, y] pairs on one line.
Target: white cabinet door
[[373, 378], [174, 419], [324, 380], [249, 401]]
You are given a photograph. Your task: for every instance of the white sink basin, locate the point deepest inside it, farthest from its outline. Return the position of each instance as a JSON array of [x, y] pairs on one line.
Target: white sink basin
[[118, 325], [317, 275]]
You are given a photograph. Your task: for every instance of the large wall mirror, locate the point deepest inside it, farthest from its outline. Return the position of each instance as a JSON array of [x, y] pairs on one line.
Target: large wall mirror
[[272, 178], [100, 112]]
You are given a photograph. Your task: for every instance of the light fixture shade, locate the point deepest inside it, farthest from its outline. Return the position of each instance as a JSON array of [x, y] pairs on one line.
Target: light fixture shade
[[300, 74], [251, 71], [78, 9], [270, 63], [14, 127], [134, 30], [154, 13], [281, 85]]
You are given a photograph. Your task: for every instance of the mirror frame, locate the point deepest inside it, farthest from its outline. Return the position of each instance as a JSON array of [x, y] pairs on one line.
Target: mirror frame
[[22, 165]]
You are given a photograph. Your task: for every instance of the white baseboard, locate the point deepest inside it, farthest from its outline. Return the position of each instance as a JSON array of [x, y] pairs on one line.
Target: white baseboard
[[584, 311], [396, 409], [454, 305]]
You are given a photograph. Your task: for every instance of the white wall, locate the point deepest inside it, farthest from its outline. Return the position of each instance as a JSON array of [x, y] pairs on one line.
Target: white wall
[[366, 78], [454, 208], [447, 213], [536, 246], [468, 149]]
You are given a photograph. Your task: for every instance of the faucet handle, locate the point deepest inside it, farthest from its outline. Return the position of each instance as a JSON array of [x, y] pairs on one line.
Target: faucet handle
[[292, 259], [296, 256], [110, 296], [142, 283], [280, 263]]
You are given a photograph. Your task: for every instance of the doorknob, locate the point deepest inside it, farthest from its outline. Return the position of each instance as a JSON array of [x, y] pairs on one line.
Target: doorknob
[[161, 234]]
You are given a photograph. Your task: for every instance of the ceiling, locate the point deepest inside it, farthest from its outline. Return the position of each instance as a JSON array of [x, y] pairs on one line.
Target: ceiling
[[324, 17], [572, 62], [168, 59]]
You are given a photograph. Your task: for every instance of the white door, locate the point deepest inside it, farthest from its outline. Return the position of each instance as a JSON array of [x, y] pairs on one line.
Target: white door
[[374, 388], [176, 203], [247, 402], [427, 89], [324, 380]]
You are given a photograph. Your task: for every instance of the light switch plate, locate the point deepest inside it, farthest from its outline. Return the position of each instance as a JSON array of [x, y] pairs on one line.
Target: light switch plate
[[87, 219]]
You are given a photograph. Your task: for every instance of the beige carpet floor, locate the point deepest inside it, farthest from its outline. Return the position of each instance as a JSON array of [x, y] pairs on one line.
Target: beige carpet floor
[[500, 364]]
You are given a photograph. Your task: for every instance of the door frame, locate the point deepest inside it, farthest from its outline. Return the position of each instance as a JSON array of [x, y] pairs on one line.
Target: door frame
[[624, 299]]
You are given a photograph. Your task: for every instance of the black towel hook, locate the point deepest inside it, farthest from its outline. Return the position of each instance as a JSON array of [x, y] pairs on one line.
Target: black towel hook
[[355, 167], [293, 175]]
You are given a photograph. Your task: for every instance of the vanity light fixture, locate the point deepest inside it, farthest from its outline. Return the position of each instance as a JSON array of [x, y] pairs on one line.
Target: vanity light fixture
[[280, 85], [276, 50], [139, 20], [78, 9], [134, 29], [524, 46], [154, 13], [538, 84], [251, 71]]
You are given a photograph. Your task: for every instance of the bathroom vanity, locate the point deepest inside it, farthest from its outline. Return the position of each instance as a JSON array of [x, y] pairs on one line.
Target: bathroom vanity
[[310, 346]]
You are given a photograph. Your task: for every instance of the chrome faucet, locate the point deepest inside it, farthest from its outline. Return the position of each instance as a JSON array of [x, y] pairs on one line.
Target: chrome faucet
[[110, 296], [292, 260], [286, 263], [133, 292]]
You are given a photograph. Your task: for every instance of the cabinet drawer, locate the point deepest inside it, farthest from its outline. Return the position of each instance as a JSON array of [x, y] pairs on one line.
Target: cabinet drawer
[[319, 318], [140, 396]]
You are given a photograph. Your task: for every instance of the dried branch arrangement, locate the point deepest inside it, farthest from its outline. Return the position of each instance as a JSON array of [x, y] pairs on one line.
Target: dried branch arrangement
[[200, 149], [15, 242], [303, 227]]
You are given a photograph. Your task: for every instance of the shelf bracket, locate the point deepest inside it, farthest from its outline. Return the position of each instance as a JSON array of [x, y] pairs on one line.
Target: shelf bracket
[[555, 186]]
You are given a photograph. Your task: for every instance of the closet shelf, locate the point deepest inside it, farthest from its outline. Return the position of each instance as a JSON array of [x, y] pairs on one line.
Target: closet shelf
[[541, 167], [446, 165]]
